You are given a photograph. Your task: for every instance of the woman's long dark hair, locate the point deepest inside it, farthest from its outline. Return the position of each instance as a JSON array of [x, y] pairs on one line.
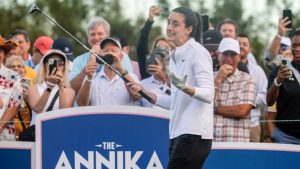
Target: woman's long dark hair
[[192, 19]]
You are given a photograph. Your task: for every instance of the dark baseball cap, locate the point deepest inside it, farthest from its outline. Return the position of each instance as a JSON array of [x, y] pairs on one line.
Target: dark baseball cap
[[211, 39], [64, 45]]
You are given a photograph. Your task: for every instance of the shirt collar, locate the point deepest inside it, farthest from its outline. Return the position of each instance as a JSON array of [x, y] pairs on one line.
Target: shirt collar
[[153, 80], [181, 50], [103, 75]]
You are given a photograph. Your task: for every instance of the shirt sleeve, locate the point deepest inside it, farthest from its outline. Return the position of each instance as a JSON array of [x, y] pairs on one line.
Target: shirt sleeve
[[203, 74], [248, 95], [163, 101], [261, 87], [16, 96], [78, 65]]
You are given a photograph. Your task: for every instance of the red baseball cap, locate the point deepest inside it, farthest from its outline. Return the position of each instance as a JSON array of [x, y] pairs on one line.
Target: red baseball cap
[[43, 44]]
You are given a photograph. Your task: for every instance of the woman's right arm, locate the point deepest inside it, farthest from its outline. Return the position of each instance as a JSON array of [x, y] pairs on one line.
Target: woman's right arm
[[37, 102], [142, 47], [84, 93]]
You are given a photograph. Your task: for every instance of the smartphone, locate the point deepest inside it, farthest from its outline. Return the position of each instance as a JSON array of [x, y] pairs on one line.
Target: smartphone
[[26, 82], [52, 65], [205, 22], [287, 13], [150, 60]]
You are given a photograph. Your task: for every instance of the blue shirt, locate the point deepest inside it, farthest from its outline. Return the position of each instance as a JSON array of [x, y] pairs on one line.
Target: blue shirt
[[30, 63], [80, 62]]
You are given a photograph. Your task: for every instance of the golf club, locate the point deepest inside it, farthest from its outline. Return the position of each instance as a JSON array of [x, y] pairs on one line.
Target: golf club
[[35, 8]]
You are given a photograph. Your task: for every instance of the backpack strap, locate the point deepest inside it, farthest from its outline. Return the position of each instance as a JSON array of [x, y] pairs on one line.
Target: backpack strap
[[53, 101]]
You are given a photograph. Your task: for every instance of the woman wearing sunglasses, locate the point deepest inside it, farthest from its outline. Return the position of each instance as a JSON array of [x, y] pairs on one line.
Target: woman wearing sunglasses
[[52, 90]]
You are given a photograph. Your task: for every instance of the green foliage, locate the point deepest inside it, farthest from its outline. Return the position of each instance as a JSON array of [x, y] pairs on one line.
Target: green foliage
[[73, 15]]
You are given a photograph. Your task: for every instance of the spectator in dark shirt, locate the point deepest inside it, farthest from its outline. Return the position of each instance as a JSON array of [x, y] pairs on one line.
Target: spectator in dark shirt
[[284, 88]]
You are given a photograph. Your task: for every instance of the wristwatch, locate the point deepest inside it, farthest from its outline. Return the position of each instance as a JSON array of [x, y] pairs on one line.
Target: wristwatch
[[48, 89]]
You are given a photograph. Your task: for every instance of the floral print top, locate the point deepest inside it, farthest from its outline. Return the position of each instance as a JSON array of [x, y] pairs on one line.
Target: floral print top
[[10, 89]]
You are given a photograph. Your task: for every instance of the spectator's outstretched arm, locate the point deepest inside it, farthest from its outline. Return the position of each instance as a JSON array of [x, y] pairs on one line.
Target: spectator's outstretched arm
[[83, 96], [77, 81], [274, 47], [142, 47]]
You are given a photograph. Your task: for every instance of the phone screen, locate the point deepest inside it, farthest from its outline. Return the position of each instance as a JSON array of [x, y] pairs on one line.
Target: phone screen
[[287, 13]]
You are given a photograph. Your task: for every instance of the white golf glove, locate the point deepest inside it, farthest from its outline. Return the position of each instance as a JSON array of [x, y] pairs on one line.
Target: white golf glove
[[176, 81]]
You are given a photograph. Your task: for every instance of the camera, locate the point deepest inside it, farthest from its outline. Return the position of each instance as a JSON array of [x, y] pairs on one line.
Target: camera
[[108, 58], [286, 62]]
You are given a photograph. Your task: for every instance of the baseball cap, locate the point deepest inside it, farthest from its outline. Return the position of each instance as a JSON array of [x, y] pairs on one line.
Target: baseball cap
[[211, 39], [43, 44], [106, 40], [65, 46], [229, 44], [54, 52], [7, 45], [286, 41]]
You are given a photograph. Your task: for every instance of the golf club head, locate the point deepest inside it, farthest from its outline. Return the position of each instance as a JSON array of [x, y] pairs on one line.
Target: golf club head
[[33, 8]]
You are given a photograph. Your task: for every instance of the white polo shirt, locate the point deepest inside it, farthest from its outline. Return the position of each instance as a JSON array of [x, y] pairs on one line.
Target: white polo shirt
[[191, 115], [110, 92]]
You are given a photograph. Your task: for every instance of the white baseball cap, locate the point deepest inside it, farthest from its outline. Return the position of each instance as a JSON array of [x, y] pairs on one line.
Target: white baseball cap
[[229, 44], [286, 41]]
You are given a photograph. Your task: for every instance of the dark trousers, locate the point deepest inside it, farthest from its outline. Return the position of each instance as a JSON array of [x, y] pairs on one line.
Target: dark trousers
[[188, 152]]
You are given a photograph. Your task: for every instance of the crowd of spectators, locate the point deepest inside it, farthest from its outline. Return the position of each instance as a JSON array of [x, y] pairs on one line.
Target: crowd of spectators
[[248, 105]]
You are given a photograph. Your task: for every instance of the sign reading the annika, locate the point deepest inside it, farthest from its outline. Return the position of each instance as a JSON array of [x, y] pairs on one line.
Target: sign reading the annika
[[102, 137]]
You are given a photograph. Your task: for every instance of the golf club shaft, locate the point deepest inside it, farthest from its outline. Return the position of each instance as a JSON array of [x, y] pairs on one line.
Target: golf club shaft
[[143, 94]]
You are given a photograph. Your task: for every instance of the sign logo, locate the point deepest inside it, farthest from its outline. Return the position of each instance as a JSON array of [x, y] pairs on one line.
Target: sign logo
[[116, 158]]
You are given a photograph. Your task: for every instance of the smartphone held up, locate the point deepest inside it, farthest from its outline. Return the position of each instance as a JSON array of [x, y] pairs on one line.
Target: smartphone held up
[[288, 13]]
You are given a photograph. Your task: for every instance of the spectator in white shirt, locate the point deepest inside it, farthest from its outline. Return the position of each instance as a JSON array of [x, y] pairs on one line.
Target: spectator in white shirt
[[261, 81], [159, 82], [192, 92], [106, 87]]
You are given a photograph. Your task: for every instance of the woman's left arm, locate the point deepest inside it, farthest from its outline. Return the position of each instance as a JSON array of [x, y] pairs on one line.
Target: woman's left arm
[[203, 87], [66, 97]]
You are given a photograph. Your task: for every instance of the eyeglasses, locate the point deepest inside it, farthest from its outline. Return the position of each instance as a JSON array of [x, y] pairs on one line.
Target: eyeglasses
[[16, 66], [58, 61]]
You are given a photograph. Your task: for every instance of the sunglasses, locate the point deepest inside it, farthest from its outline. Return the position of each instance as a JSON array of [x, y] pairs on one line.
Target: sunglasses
[[16, 66], [58, 61]]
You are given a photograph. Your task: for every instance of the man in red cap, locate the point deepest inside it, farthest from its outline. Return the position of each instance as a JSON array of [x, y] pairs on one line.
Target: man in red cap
[[41, 45]]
